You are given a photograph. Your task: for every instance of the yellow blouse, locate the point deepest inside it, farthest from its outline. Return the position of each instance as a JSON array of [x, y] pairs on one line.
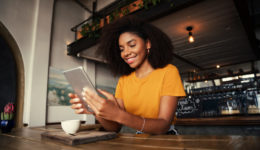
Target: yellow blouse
[[141, 96]]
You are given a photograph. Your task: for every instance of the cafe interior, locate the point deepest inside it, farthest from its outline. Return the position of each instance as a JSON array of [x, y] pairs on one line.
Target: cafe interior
[[216, 50]]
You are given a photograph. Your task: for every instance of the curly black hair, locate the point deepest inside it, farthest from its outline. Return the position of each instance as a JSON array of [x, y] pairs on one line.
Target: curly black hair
[[161, 46]]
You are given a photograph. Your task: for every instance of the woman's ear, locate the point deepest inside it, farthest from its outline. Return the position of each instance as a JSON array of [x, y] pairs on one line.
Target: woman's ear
[[148, 44]]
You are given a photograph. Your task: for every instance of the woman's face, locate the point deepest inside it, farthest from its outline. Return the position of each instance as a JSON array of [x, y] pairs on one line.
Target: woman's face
[[133, 49]]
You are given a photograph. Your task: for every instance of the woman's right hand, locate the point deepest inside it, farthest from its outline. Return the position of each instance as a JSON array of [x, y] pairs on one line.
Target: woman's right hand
[[77, 105]]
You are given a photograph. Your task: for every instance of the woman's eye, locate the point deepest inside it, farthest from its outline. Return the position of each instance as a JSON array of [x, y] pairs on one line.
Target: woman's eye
[[121, 50], [132, 45]]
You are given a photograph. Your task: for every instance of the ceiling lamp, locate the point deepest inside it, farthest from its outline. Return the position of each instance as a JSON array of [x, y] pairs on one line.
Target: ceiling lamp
[[191, 38]]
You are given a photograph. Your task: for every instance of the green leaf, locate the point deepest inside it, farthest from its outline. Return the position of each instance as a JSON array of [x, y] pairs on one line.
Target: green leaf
[[146, 6], [6, 116], [140, 6], [154, 2], [111, 17], [11, 116], [83, 33], [2, 116], [127, 10]]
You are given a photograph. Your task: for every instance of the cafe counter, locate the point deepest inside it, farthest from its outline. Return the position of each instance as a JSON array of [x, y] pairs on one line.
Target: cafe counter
[[227, 120]]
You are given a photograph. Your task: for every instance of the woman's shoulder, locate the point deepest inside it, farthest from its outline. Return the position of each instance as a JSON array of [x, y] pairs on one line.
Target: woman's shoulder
[[170, 68]]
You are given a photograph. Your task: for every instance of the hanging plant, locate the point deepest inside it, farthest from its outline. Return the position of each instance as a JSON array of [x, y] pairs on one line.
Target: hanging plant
[[90, 30], [85, 29], [125, 11], [111, 18], [148, 3], [117, 13]]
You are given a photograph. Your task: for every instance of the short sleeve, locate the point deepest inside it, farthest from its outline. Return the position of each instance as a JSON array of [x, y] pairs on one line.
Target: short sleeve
[[172, 84], [119, 89]]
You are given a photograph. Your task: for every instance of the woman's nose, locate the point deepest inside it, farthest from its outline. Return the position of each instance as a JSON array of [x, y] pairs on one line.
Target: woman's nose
[[126, 53]]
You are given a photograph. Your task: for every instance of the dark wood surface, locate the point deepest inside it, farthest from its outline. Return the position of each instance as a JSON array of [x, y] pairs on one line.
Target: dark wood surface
[[226, 120], [30, 138]]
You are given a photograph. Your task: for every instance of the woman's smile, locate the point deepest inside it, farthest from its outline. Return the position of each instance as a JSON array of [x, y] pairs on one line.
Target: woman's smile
[[130, 60]]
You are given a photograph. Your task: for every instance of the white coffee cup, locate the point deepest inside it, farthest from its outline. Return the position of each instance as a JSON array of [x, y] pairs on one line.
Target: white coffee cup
[[70, 126]]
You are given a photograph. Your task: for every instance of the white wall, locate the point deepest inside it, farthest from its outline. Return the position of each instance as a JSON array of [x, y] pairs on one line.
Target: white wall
[[29, 22], [42, 45], [66, 15], [38, 67], [20, 25]]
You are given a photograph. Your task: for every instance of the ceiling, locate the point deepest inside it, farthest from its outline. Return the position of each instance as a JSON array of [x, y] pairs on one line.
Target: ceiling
[[220, 36]]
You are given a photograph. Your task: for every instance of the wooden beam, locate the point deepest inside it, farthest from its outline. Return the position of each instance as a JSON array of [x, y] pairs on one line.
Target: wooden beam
[[187, 61], [244, 8]]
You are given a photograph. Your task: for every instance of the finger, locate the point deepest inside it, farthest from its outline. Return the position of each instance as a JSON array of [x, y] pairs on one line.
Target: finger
[[77, 106], [88, 90], [82, 111], [71, 95], [93, 96], [94, 100], [79, 111], [74, 100], [89, 102], [93, 107], [96, 105], [108, 95]]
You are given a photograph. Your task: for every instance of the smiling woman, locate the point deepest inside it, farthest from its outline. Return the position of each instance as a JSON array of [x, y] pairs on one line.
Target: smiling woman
[[158, 43], [147, 92]]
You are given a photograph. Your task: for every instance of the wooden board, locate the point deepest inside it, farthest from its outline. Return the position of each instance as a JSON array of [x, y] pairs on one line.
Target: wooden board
[[81, 137]]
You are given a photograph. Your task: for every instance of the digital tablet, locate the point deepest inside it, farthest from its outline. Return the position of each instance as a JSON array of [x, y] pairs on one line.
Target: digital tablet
[[79, 79]]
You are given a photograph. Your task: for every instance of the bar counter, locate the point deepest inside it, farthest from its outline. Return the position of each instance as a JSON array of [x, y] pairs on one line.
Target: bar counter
[[30, 138], [227, 120]]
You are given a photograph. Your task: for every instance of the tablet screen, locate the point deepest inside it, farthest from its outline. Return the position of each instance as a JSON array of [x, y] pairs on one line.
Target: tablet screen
[[79, 79]]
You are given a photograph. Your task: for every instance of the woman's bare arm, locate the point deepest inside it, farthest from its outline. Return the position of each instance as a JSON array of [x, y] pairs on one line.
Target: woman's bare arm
[[159, 125]]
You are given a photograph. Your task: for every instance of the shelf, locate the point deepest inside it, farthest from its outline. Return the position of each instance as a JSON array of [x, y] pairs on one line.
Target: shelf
[[227, 120], [222, 76], [219, 91], [77, 46]]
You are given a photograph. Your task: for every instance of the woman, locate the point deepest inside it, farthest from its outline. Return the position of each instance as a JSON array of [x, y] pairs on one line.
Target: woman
[[148, 89]]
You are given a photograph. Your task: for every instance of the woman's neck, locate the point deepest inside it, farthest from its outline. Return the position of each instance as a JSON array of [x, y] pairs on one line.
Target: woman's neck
[[143, 70]]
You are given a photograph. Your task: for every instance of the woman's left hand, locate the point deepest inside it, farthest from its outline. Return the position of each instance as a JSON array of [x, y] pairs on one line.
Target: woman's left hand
[[104, 108]]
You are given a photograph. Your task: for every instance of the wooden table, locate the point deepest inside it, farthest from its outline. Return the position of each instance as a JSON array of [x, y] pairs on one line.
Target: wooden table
[[30, 138]]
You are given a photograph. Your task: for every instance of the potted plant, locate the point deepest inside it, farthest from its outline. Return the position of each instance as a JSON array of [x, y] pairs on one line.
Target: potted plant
[[7, 118], [91, 30]]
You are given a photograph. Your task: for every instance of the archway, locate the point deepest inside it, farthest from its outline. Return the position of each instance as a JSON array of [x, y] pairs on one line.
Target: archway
[[14, 54]]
